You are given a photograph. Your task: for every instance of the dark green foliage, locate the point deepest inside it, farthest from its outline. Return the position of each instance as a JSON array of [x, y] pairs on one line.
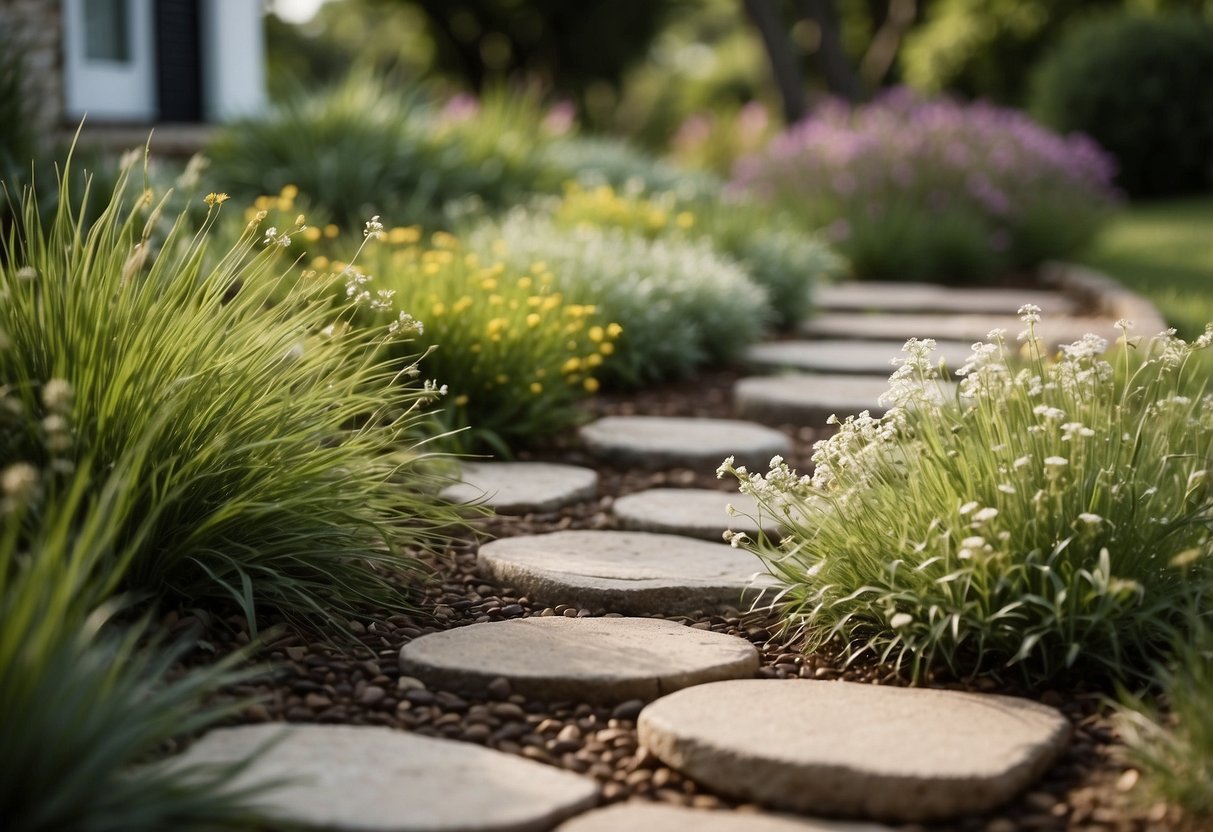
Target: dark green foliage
[[1142, 87]]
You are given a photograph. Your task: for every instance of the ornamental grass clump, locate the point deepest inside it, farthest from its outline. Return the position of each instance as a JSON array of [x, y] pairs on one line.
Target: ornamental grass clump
[[680, 304], [1039, 519], [285, 471], [89, 698], [512, 354], [937, 190]]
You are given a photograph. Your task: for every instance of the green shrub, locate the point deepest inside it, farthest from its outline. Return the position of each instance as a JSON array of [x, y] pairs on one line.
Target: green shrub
[[1174, 749], [680, 304], [285, 473], [786, 262], [1138, 85], [89, 703], [513, 355], [1039, 520], [364, 148]]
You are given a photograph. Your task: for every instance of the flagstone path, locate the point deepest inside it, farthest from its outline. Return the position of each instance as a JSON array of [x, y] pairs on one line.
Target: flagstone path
[[694, 698]]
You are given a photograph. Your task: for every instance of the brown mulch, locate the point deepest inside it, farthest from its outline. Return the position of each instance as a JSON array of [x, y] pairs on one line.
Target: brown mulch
[[1090, 788]]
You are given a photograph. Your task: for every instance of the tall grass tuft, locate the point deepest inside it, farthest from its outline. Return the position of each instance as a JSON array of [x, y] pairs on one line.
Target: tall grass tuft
[[1041, 519], [89, 703], [284, 467]]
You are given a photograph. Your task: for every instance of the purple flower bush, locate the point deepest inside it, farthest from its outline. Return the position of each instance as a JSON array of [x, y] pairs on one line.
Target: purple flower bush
[[937, 189]]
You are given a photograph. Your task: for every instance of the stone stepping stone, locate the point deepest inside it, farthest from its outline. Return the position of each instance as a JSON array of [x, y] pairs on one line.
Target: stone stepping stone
[[629, 572], [1053, 330], [693, 512], [807, 399], [599, 660], [522, 487], [847, 357], [895, 754], [888, 296], [379, 780], [638, 816], [664, 442]]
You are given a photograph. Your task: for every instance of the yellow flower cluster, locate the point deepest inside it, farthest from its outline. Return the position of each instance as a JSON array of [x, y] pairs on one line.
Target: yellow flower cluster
[[499, 334], [604, 206]]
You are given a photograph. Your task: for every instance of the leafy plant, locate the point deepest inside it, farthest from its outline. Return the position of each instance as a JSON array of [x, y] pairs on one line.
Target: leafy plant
[[679, 303], [512, 354], [1040, 519], [1139, 85], [938, 190], [288, 473], [597, 160]]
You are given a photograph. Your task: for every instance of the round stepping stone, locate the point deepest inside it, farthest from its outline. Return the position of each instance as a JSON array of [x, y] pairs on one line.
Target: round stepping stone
[[601, 660], [629, 572], [807, 399], [888, 296], [372, 779], [637, 815], [522, 487], [899, 754], [661, 442], [849, 357], [693, 512]]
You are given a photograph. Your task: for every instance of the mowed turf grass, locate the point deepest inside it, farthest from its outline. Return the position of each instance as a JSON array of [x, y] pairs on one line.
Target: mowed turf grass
[[1164, 250]]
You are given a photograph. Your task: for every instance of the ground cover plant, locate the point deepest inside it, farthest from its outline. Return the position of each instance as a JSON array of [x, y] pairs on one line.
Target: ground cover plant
[[680, 304], [89, 699], [1036, 521], [785, 261], [285, 467], [513, 355], [935, 190]]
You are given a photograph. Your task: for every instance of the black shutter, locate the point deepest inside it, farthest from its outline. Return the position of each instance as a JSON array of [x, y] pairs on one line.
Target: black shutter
[[178, 60]]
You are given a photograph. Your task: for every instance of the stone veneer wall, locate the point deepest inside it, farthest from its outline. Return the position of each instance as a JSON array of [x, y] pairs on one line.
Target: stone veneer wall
[[35, 29]]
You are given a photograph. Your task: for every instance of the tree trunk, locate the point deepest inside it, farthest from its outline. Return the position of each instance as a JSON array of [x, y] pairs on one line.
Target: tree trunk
[[784, 66], [839, 74]]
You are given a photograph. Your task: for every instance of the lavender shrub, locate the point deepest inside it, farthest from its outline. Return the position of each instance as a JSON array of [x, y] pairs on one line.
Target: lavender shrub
[[938, 189]]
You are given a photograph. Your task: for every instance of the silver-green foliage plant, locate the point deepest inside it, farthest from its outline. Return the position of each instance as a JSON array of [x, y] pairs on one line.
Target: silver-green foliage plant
[[681, 304], [1036, 519], [89, 702], [284, 467]]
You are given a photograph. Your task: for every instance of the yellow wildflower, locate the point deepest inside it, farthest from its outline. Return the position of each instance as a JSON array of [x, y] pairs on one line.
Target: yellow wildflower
[[597, 334], [212, 199], [591, 385]]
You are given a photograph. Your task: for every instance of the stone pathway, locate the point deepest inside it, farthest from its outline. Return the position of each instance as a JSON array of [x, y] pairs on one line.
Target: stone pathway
[[811, 747], [522, 487], [625, 572]]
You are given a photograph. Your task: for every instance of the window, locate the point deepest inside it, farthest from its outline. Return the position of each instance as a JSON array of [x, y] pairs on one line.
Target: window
[[107, 31]]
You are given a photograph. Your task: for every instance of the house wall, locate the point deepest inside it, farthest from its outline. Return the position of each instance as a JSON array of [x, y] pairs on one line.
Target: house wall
[[233, 46], [36, 28]]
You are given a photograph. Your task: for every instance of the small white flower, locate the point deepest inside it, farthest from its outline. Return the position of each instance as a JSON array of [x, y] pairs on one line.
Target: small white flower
[[724, 468], [1029, 313], [1022, 461], [57, 396], [374, 228], [901, 619], [1056, 461], [1049, 413], [730, 510], [1006, 488], [406, 324], [27, 273], [1090, 519], [985, 515], [967, 507]]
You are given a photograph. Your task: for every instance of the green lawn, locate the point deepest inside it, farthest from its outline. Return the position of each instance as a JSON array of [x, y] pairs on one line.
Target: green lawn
[[1164, 250]]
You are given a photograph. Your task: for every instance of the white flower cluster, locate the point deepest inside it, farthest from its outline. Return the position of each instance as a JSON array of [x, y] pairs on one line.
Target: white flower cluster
[[405, 324]]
